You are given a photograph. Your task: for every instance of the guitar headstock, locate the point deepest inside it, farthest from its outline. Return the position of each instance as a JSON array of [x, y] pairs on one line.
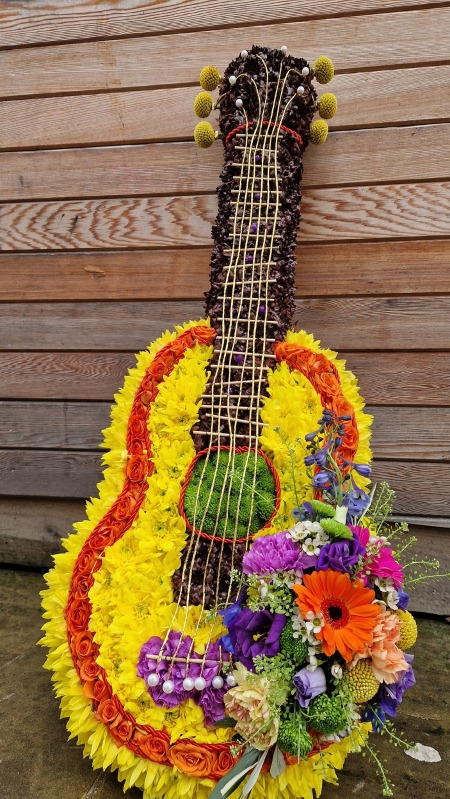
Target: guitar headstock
[[264, 87]]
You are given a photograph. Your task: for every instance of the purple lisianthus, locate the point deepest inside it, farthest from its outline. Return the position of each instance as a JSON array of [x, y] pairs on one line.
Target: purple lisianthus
[[147, 666], [256, 633], [309, 684], [403, 599], [374, 715], [390, 696], [272, 553], [230, 614], [340, 556]]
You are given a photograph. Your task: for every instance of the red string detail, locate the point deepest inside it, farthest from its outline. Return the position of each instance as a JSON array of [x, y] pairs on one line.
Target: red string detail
[[265, 122]]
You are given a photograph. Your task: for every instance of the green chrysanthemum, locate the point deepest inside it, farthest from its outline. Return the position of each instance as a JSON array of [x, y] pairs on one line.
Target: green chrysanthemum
[[294, 739], [293, 648], [326, 714]]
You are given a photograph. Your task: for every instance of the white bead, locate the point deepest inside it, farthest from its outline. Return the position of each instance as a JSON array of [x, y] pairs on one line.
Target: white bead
[[301, 90], [168, 687], [244, 53], [231, 681], [232, 80], [200, 683], [188, 684], [152, 680], [239, 103], [217, 682], [305, 71], [283, 49]]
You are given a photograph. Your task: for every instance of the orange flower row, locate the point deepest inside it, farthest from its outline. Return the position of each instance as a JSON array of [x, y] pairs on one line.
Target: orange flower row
[[324, 378]]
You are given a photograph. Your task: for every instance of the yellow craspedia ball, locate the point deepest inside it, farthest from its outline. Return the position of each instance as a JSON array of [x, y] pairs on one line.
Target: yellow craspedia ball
[[318, 132], [362, 681], [204, 134], [203, 104], [323, 69], [408, 630], [209, 78], [327, 105]]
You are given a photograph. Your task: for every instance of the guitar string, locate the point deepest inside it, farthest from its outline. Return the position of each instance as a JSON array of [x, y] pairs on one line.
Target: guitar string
[[189, 560]]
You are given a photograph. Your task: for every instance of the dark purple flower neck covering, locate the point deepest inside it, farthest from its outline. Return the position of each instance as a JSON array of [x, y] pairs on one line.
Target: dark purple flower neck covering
[[340, 556]]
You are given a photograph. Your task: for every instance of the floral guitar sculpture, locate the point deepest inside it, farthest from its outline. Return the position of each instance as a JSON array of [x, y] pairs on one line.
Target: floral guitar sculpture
[[231, 618]]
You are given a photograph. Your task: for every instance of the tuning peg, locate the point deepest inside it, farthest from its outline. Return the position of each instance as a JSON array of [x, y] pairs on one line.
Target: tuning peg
[[323, 69], [204, 135], [203, 104], [327, 105], [318, 132], [209, 78]]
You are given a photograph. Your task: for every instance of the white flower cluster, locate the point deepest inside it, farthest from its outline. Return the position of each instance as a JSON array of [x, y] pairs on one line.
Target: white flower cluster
[[386, 586], [306, 629], [310, 535]]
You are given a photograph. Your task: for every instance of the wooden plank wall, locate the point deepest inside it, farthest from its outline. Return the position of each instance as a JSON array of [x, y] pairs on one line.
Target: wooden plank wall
[[105, 214]]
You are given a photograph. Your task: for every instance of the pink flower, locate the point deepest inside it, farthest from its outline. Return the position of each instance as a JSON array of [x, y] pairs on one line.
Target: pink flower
[[388, 661], [249, 704], [363, 533], [386, 567]]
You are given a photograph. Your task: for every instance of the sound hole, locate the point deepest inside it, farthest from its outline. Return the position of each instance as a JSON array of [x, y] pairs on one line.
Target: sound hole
[[230, 495]]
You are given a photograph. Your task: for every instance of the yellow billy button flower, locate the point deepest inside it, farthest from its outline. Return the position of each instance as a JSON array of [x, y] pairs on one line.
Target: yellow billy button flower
[[362, 681], [327, 105], [204, 135], [323, 69], [209, 78], [203, 104], [408, 630], [318, 132]]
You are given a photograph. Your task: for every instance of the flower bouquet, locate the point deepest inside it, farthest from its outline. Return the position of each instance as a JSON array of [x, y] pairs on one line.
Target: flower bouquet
[[317, 641]]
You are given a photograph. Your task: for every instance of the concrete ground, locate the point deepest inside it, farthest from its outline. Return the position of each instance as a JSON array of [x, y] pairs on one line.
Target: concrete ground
[[37, 761]]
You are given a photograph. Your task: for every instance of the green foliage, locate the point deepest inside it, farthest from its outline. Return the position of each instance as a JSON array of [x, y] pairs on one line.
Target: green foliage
[[335, 529], [322, 509], [230, 494], [293, 648], [326, 714], [293, 737]]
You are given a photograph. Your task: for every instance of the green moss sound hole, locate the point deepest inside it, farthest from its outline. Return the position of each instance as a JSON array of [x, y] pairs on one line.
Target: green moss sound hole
[[230, 496]]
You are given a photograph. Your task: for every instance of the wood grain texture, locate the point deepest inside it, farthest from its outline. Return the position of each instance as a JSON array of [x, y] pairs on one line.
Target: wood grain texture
[[63, 375], [420, 488], [402, 378], [23, 25], [434, 597], [31, 530], [364, 100], [340, 214], [350, 323], [384, 267], [391, 155], [40, 473], [377, 323], [385, 378], [398, 433], [74, 475], [53, 425]]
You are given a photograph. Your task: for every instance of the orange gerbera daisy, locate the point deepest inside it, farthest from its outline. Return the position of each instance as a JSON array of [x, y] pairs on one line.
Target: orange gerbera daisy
[[348, 615]]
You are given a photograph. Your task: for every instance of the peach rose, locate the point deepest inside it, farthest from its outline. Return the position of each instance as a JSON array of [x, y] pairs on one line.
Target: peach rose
[[191, 759]]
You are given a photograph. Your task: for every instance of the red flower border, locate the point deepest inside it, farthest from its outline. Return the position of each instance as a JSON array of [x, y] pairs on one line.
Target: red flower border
[[200, 760]]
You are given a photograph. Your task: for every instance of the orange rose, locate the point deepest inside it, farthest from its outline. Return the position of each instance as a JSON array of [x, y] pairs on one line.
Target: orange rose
[[342, 407], [85, 561], [136, 446], [83, 644], [158, 369], [137, 468], [120, 730], [351, 437], [154, 746], [78, 615], [81, 585], [124, 506], [222, 764], [191, 759], [106, 712], [204, 335], [137, 427], [327, 384], [97, 690], [89, 669]]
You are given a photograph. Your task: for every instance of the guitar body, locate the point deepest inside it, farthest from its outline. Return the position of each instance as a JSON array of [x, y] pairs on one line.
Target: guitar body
[[205, 453]]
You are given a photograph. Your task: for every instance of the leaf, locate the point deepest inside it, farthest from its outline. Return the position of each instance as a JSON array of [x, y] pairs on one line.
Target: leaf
[[278, 763], [228, 784], [425, 753], [255, 774], [226, 722]]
